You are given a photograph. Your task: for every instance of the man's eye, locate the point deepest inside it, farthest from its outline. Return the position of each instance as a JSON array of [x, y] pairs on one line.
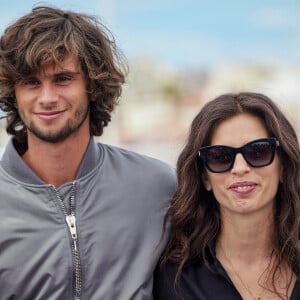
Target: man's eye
[[30, 82], [63, 79]]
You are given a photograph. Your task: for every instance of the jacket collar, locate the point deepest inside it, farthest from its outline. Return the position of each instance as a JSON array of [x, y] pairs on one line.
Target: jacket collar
[[14, 165]]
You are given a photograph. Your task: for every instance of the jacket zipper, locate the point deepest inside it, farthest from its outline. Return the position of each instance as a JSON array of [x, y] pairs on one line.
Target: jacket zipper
[[70, 219]]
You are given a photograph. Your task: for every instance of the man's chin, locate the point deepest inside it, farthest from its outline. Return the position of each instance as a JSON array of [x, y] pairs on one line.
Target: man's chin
[[52, 137]]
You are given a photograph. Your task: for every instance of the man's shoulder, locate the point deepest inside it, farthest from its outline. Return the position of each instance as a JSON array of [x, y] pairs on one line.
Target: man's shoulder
[[137, 162], [129, 155]]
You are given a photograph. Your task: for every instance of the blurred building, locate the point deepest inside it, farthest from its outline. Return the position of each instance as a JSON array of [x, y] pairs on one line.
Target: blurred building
[[159, 103]]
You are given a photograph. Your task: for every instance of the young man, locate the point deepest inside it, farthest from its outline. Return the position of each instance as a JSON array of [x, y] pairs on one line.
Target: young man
[[78, 220]]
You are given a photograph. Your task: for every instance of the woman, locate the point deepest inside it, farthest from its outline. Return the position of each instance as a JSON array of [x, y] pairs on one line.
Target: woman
[[235, 215]]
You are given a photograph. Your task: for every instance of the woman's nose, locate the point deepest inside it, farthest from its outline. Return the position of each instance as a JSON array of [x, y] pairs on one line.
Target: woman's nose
[[240, 165]]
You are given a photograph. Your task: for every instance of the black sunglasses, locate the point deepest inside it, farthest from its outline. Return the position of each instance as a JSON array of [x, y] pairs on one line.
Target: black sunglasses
[[258, 153]]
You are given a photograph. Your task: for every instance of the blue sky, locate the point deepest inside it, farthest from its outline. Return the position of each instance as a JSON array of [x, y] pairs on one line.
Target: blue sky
[[192, 33]]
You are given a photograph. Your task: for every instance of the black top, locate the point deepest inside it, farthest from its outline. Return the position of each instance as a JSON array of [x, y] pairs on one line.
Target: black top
[[198, 282]]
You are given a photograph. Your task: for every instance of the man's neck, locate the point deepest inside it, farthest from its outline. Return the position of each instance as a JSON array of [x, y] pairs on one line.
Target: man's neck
[[56, 163]]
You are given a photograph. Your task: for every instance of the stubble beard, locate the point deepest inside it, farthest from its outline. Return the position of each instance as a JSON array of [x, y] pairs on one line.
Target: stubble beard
[[71, 127]]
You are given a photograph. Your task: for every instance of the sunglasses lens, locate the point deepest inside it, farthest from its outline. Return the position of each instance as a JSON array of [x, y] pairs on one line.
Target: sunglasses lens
[[219, 159], [259, 154]]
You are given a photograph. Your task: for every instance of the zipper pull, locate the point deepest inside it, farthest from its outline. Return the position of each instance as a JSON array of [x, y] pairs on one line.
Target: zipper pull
[[71, 221]]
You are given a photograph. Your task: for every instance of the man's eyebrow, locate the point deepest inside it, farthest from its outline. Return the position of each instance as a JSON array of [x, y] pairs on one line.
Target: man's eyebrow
[[66, 72], [62, 73]]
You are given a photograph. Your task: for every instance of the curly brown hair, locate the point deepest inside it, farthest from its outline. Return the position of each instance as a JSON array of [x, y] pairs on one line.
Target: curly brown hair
[[194, 213], [48, 35]]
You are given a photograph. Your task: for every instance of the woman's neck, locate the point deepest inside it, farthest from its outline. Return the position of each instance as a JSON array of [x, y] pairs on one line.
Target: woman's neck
[[249, 237], [245, 248]]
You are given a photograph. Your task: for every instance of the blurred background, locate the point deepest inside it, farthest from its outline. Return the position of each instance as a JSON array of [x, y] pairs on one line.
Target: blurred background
[[182, 54]]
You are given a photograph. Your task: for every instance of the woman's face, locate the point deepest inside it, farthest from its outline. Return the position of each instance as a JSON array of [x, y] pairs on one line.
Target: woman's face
[[243, 189]]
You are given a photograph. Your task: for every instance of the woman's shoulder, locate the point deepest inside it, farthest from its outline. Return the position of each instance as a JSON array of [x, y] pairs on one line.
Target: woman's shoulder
[[167, 269], [164, 282], [167, 288]]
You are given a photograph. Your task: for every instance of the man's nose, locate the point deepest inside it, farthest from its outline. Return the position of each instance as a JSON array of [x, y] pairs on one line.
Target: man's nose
[[48, 94]]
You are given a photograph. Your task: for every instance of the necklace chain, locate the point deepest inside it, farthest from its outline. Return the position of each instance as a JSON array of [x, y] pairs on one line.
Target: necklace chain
[[257, 297]]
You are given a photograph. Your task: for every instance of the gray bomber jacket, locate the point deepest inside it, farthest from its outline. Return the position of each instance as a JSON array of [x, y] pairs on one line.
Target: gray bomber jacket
[[119, 201]]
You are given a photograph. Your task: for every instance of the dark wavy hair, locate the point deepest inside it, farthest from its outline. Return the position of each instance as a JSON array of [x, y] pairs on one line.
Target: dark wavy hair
[[48, 35], [194, 212]]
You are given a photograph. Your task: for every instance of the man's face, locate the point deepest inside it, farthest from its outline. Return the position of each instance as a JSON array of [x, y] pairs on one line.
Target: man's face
[[53, 104]]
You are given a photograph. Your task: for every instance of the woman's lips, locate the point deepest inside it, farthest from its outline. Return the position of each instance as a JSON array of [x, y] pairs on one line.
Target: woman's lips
[[243, 187]]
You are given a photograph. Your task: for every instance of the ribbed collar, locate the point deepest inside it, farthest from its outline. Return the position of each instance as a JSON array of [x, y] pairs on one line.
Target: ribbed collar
[[14, 165]]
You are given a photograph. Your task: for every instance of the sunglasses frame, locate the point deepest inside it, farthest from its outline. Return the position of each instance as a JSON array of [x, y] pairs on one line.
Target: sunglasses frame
[[273, 142]]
